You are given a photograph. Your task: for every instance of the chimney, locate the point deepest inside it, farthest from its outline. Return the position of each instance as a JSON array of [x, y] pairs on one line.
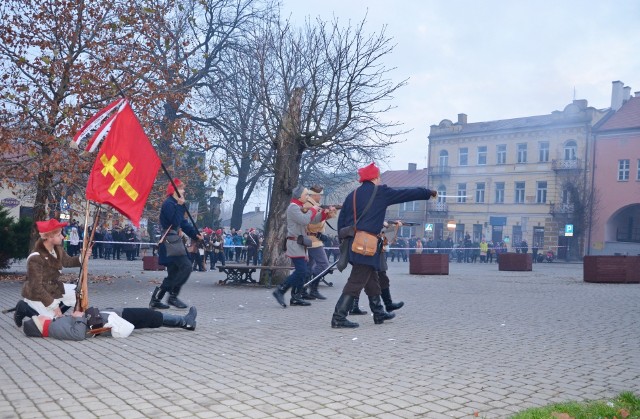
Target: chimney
[[257, 209], [462, 118], [627, 94], [636, 94], [617, 92], [412, 167]]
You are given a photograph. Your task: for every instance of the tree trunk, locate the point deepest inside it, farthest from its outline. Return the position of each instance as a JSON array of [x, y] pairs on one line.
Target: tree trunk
[[287, 170]]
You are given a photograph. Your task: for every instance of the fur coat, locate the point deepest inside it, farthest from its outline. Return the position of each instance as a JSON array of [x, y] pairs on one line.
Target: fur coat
[[43, 273]]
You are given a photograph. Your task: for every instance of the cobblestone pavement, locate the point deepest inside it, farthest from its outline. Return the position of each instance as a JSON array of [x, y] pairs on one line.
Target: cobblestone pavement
[[477, 340]]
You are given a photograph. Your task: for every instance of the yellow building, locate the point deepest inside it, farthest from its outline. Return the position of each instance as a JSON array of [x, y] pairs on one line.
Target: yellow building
[[511, 179]]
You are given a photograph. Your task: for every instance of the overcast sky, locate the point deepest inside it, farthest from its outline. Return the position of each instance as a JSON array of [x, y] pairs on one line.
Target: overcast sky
[[493, 59]]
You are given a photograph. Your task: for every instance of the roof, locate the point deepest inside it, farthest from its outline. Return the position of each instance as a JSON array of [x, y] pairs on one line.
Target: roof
[[627, 117], [405, 178], [575, 113]]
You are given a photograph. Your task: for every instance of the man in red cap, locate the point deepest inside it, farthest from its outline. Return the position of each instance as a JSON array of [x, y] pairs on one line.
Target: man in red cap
[[173, 222], [365, 208], [253, 243], [43, 291]]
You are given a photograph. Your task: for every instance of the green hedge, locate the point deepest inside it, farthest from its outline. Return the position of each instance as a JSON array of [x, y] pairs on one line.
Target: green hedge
[[14, 240]]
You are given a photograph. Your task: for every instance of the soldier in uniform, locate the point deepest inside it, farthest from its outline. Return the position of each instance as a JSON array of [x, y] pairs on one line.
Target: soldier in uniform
[[364, 271], [318, 260], [172, 215], [300, 213]]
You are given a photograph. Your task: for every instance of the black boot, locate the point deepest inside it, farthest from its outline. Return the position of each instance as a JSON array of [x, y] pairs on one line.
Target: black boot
[[23, 310], [175, 301], [355, 310], [63, 308], [314, 290], [186, 322], [379, 315], [339, 319], [156, 299], [388, 304], [279, 292], [305, 294], [296, 297]]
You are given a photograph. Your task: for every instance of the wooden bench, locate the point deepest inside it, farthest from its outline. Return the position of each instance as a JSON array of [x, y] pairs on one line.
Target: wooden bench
[[243, 274]]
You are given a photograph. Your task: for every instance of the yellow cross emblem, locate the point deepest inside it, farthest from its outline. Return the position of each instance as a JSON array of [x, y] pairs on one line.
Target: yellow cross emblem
[[119, 178]]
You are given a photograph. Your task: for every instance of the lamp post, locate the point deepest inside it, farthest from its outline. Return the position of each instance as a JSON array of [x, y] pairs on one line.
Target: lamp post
[[214, 205]]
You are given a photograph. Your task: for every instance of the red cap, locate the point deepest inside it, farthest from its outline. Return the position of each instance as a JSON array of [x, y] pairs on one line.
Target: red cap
[[219, 231], [50, 225], [171, 189], [369, 172]]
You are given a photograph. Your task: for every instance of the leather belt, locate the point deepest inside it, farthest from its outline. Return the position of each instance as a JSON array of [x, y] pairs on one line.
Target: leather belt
[[291, 238]]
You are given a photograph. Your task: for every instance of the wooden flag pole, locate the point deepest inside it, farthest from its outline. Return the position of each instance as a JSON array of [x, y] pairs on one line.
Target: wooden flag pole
[[164, 168]]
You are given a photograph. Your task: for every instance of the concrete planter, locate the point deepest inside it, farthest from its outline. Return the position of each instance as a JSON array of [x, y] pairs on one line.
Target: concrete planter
[[515, 262], [150, 263], [612, 269], [429, 264]]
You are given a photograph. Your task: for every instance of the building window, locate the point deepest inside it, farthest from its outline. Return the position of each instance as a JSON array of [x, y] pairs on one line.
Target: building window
[[501, 154], [482, 155], [519, 196], [462, 192], [499, 192], [516, 236], [480, 192], [522, 153], [541, 192], [623, 169], [477, 233], [566, 196], [408, 206], [442, 193], [544, 151], [444, 158], [570, 150], [464, 156], [406, 231], [538, 238]]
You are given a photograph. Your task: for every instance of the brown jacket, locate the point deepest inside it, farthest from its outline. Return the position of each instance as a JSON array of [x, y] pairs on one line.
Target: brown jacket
[[43, 274]]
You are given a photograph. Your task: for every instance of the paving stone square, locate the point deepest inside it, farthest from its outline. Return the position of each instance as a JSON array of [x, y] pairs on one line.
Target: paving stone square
[[476, 340]]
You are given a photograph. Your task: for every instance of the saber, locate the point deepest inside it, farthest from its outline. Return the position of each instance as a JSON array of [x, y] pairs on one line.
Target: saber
[[453, 196], [322, 274]]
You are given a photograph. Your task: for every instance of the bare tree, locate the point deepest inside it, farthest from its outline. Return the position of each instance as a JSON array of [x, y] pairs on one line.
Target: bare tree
[[336, 75]]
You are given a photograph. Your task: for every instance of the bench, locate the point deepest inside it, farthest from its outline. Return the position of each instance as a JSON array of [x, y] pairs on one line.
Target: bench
[[243, 274]]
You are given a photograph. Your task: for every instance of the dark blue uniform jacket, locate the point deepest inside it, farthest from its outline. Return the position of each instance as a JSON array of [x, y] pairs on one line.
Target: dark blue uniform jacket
[[172, 214], [373, 220]]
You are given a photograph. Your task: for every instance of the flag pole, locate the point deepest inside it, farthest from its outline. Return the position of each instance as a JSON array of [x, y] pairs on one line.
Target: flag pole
[[164, 168]]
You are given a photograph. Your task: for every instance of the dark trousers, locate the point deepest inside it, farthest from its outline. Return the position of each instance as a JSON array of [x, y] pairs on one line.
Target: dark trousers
[[178, 272], [252, 254], [362, 277], [383, 279], [299, 274]]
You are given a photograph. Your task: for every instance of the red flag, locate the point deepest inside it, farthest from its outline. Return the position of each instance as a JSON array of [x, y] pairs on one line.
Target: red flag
[[125, 168]]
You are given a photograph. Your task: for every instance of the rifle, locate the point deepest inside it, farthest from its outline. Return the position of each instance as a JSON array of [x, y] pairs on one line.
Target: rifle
[[338, 207], [404, 223], [82, 287]]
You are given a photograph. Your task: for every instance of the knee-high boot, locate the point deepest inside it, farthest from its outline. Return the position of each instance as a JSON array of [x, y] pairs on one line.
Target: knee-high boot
[[339, 319], [355, 309], [173, 298], [156, 299], [379, 315], [388, 304], [296, 297], [307, 294], [21, 311], [314, 290], [279, 292], [187, 321]]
